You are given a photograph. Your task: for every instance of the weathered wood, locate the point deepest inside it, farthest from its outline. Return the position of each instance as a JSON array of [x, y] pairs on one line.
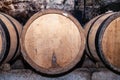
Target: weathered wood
[[111, 42], [103, 40], [52, 41], [10, 31], [90, 30], [86, 28]]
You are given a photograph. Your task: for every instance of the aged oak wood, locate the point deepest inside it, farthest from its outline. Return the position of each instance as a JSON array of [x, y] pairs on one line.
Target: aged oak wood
[[10, 31], [111, 42], [90, 30], [52, 41], [87, 28], [103, 40]]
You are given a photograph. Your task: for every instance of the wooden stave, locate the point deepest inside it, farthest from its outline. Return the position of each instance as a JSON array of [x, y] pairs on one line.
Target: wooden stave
[[4, 40], [98, 42], [6, 57], [50, 11], [108, 64], [88, 28], [19, 31]]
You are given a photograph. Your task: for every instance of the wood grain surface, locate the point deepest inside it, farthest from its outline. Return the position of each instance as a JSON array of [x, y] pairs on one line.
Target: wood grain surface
[[52, 41], [111, 42], [10, 31]]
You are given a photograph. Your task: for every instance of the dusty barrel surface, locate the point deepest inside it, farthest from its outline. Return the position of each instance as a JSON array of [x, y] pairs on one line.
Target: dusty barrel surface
[[52, 42], [10, 31], [103, 39]]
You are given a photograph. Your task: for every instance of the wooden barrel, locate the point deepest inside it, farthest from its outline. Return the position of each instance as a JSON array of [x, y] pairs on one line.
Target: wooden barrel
[[52, 42], [10, 31], [103, 40]]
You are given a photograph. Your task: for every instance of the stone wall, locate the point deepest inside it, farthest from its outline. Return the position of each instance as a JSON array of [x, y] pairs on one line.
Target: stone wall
[[97, 7], [24, 9]]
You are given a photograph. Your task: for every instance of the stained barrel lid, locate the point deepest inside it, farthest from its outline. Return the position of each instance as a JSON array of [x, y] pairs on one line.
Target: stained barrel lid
[[52, 41]]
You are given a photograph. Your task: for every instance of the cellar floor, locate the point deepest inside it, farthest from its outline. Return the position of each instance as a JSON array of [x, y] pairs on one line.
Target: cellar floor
[[78, 74]]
